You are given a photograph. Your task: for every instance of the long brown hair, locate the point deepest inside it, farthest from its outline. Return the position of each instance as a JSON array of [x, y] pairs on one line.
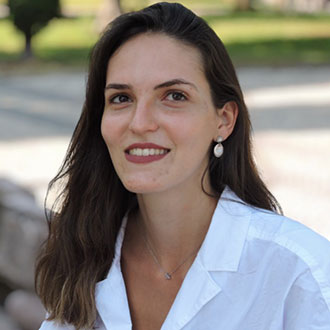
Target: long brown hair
[[84, 223]]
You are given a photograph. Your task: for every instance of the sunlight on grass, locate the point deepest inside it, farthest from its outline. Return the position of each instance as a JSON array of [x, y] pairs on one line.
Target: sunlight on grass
[[67, 32], [279, 51], [267, 29], [251, 38], [79, 7], [66, 41], [80, 2], [63, 40], [134, 4], [11, 40]]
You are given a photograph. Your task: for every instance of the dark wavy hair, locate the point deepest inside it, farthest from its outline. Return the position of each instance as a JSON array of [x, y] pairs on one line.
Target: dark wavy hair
[[82, 231]]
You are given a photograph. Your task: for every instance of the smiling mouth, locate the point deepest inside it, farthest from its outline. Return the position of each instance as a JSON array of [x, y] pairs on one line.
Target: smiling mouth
[[144, 152]]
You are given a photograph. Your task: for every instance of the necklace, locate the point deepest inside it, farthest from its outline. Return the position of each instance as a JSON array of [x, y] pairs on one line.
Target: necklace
[[167, 275]]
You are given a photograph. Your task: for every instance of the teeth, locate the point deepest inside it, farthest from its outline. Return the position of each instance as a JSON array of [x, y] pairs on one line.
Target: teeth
[[147, 152]]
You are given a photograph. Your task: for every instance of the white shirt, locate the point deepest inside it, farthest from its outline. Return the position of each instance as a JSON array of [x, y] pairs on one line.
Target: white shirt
[[255, 270]]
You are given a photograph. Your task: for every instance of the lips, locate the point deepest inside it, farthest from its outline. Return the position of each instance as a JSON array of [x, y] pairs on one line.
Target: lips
[[145, 152]]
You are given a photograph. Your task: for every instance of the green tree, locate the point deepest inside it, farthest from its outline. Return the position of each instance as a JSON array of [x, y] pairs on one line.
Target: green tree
[[30, 16]]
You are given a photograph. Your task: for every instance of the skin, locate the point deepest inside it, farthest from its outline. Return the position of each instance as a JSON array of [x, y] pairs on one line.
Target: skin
[[144, 103]]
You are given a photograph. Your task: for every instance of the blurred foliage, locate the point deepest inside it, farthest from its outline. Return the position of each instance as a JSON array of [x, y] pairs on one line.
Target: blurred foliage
[[90, 6], [252, 38]]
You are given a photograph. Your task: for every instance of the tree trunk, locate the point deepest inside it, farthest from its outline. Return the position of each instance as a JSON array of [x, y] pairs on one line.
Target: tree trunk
[[120, 9], [243, 5], [28, 50], [109, 10]]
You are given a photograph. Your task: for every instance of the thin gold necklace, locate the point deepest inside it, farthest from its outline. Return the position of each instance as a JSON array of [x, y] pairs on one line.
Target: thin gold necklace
[[167, 275]]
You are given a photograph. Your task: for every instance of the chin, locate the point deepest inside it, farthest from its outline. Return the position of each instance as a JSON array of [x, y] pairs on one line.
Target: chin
[[143, 187]]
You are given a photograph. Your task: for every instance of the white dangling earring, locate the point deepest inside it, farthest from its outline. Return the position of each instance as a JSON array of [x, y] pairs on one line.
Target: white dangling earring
[[218, 148]]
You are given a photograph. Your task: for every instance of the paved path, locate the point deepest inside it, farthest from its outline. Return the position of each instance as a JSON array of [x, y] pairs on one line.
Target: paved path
[[290, 110]]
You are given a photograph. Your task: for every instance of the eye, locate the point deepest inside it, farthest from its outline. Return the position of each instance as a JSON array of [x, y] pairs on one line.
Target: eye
[[175, 96], [120, 98]]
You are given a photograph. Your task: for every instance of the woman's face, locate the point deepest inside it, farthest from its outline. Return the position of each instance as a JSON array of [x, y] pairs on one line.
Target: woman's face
[[159, 119]]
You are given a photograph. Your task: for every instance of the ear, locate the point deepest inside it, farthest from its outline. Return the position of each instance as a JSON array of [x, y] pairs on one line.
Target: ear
[[227, 119]]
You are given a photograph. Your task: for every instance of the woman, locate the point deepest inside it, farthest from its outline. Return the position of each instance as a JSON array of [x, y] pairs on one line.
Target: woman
[[164, 221]]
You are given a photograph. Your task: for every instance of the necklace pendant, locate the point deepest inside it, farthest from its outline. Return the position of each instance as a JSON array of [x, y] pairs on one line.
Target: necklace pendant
[[168, 276]]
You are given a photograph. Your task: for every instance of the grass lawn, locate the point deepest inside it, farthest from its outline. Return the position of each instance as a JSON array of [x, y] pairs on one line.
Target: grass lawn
[[64, 41], [275, 39], [251, 39]]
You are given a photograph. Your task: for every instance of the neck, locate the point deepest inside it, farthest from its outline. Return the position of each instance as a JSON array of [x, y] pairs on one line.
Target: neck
[[175, 222]]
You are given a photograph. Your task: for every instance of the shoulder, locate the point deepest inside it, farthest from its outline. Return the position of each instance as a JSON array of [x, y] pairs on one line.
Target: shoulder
[[276, 229], [291, 235], [298, 247], [51, 325], [268, 231]]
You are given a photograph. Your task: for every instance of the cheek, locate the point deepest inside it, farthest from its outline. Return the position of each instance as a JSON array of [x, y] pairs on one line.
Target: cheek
[[195, 132], [109, 130], [104, 130], [111, 133]]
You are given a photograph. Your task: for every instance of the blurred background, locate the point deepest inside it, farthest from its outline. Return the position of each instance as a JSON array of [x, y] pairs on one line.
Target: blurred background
[[281, 49]]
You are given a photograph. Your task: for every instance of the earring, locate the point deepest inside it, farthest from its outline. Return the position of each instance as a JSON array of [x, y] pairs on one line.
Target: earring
[[218, 148]]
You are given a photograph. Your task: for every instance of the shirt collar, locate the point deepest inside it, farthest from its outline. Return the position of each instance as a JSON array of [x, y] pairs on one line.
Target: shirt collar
[[223, 244], [111, 297], [225, 238], [119, 240], [221, 250]]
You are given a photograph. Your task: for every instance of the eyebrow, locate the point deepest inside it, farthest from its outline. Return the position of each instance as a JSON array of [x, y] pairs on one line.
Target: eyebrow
[[172, 82], [168, 83], [117, 86]]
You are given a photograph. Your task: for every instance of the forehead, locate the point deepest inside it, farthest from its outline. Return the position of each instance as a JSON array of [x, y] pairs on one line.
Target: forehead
[[155, 55]]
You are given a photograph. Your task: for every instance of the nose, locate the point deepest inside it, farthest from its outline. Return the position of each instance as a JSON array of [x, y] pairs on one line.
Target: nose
[[144, 119]]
